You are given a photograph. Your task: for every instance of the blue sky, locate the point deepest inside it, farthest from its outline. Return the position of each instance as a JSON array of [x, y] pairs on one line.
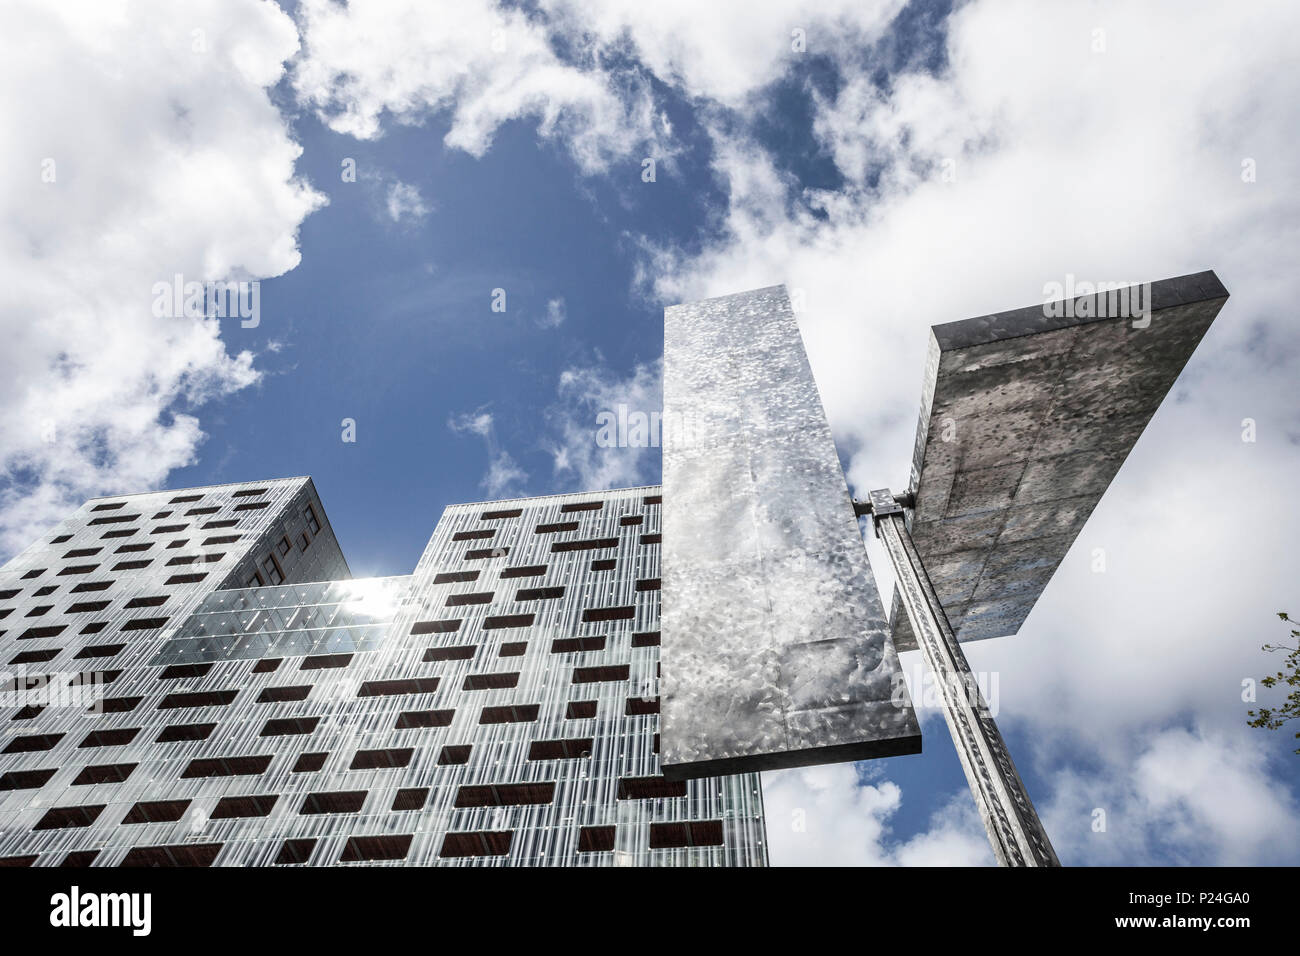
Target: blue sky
[[804, 143]]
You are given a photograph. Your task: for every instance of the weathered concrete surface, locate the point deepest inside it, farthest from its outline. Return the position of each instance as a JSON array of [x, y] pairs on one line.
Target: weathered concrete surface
[[1025, 419], [775, 649]]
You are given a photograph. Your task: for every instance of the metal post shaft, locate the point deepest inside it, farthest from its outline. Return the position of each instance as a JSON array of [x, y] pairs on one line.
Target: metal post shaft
[[1014, 830]]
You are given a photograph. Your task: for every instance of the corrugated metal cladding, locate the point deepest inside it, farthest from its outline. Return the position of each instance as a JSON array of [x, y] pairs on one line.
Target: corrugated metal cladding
[[497, 707]]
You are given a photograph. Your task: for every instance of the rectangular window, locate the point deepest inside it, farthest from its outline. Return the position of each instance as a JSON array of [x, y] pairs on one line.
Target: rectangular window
[[496, 681], [318, 662], [648, 584], [450, 755], [629, 520], [81, 607], [309, 516], [556, 527], [109, 738], [226, 767], [144, 623], [131, 565], [418, 719], [581, 506], [310, 763], [146, 602], [477, 843], [460, 652], [436, 627], [388, 759], [567, 645], [229, 808], [649, 788], [539, 594], [304, 542], [604, 564], [507, 620], [478, 554], [591, 544], [695, 833], [595, 839], [567, 748], [198, 699], [32, 743], [289, 726], [626, 613], [639, 706], [509, 714], [63, 818], [187, 578], [334, 801], [392, 688], [505, 795], [412, 798], [651, 538], [285, 546], [645, 639], [277, 695], [513, 649], [272, 568], [508, 513], [524, 571], [455, 577], [156, 811], [482, 534], [104, 773], [594, 675], [184, 671], [178, 732], [580, 710], [359, 848], [189, 854], [249, 493], [468, 598]]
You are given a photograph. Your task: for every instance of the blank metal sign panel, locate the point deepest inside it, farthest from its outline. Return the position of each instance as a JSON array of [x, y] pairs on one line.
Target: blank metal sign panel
[[775, 648], [1026, 416]]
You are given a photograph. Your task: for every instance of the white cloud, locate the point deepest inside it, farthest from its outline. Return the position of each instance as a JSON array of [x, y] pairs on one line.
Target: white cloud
[[479, 63], [555, 314], [404, 203], [831, 816], [503, 478], [134, 109], [578, 450]]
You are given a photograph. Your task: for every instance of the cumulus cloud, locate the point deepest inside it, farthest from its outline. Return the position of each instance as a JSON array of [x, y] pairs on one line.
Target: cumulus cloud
[[119, 173], [404, 204], [480, 64], [503, 478], [839, 815], [618, 454]]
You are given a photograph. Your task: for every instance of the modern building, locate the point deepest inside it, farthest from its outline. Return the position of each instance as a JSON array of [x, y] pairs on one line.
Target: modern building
[[193, 678]]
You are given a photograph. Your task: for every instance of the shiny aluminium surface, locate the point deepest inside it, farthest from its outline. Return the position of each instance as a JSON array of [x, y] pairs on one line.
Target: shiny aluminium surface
[[1026, 417], [775, 652]]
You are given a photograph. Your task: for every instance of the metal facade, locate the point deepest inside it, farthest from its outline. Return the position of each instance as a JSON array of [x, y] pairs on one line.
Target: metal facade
[[497, 707], [776, 650]]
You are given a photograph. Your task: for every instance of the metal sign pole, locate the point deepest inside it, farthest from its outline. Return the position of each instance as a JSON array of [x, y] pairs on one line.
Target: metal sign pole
[[1014, 830]]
